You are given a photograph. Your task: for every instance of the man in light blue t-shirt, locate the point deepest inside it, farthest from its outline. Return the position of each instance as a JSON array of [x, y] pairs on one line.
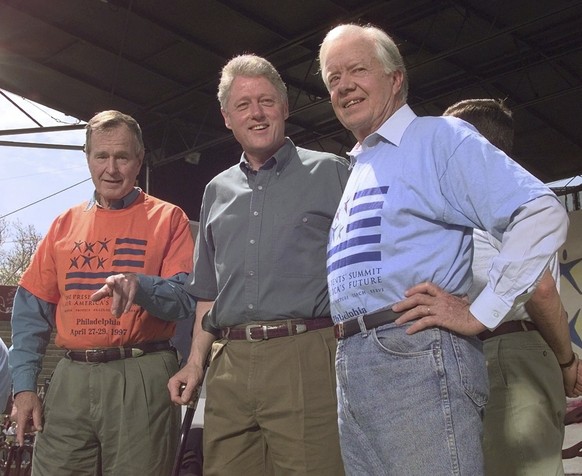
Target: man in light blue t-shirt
[[411, 402]]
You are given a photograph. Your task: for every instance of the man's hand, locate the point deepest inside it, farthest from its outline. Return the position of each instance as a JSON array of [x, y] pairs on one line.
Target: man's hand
[[191, 376], [572, 377], [27, 412], [122, 288], [430, 306]]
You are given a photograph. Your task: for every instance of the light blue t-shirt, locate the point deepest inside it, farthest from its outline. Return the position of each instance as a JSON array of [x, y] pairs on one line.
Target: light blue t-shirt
[[418, 187]]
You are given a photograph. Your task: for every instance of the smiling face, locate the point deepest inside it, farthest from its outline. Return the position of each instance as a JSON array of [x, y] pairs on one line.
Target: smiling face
[[256, 114], [362, 94], [114, 163]]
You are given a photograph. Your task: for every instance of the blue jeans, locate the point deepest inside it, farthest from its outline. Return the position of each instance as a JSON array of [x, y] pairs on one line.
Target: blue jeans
[[411, 405]]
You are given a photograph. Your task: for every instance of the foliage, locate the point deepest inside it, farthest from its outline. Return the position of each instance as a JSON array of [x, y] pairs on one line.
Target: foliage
[[18, 243]]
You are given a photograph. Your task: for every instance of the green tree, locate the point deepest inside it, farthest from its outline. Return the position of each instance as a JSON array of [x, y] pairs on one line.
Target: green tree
[[18, 243]]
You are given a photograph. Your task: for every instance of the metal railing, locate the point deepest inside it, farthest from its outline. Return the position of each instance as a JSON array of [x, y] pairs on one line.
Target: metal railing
[[570, 196], [15, 460]]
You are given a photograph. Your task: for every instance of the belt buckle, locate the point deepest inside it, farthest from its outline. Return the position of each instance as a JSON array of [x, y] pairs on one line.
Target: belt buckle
[[94, 355], [300, 328], [136, 352], [250, 327]]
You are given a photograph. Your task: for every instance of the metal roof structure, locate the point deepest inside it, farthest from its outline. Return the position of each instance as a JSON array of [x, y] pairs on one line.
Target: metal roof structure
[[159, 60]]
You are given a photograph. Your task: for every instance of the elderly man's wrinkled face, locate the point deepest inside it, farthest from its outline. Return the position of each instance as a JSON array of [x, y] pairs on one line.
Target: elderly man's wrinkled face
[[114, 163], [256, 114], [363, 95]]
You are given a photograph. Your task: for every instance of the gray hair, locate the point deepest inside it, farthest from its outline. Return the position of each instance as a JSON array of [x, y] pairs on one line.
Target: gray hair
[[107, 120], [251, 66], [386, 50]]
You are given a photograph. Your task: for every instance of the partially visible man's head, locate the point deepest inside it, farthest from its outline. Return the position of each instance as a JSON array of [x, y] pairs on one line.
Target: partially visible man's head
[[491, 117], [365, 75], [253, 101], [115, 151]]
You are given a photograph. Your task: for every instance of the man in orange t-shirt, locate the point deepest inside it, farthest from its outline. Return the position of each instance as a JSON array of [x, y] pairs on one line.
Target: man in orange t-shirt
[[107, 406]]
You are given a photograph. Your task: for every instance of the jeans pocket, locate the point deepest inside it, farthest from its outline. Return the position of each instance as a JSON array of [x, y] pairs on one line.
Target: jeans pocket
[[472, 368], [393, 340]]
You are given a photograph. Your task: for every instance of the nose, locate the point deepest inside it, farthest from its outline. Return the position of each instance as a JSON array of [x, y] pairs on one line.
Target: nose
[[111, 166], [345, 84], [257, 111]]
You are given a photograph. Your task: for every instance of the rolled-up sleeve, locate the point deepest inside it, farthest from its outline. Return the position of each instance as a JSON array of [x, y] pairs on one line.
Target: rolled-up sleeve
[[534, 235]]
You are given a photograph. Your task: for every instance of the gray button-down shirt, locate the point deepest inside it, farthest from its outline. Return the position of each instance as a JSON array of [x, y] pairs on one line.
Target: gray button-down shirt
[[261, 249]]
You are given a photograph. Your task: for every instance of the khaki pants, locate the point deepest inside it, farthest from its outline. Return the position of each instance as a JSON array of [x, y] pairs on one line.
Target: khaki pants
[[112, 419], [523, 429], [271, 407]]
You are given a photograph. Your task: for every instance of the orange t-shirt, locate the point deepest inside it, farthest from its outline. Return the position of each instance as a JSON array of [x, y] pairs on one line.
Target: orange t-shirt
[[85, 246]]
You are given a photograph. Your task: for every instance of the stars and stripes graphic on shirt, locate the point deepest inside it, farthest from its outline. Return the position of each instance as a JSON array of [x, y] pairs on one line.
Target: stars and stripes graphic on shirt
[[92, 262], [357, 225]]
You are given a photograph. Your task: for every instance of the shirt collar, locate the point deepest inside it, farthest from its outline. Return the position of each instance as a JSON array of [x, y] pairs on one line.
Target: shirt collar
[[123, 202], [280, 159], [391, 131]]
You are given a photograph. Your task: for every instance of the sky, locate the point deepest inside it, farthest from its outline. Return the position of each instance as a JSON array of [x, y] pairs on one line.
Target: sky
[[46, 176]]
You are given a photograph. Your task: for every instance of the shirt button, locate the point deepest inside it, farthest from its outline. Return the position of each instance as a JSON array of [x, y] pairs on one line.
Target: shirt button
[[304, 219], [250, 306], [260, 187], [255, 213], [251, 273], [252, 242]]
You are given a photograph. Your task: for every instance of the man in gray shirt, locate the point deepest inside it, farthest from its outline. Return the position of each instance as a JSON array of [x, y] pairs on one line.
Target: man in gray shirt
[[260, 281]]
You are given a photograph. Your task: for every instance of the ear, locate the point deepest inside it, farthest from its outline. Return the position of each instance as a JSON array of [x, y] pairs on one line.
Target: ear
[[141, 157], [226, 120], [398, 79]]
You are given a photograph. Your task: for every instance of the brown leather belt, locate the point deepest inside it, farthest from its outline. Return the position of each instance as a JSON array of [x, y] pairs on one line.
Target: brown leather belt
[[371, 321], [263, 331], [507, 328], [116, 353]]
